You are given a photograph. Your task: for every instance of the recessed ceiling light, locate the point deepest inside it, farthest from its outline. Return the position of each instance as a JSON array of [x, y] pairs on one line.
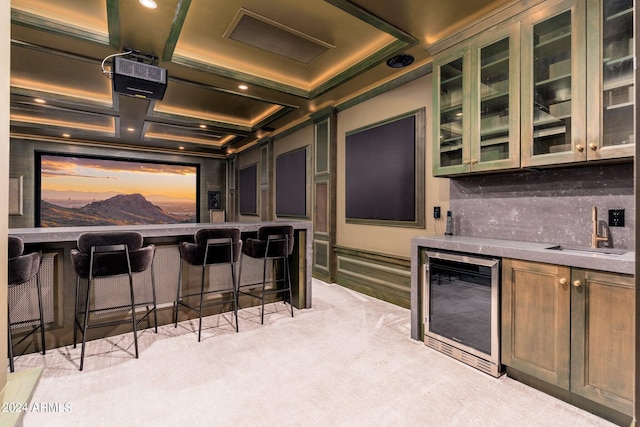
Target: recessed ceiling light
[[40, 101], [66, 135], [181, 148], [243, 87], [203, 126], [130, 129], [150, 4]]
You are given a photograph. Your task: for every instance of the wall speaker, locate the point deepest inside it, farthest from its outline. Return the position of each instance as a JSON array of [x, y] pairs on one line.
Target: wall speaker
[[214, 200]]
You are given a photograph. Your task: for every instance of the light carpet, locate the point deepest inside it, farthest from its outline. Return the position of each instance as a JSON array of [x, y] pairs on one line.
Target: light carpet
[[348, 361]]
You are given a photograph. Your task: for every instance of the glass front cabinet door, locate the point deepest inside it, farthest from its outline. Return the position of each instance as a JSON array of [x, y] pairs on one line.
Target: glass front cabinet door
[[451, 113], [553, 85], [476, 100], [611, 97]]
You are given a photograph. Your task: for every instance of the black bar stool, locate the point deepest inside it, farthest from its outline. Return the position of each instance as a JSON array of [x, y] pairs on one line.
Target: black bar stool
[[21, 270], [108, 254], [213, 246], [273, 243]]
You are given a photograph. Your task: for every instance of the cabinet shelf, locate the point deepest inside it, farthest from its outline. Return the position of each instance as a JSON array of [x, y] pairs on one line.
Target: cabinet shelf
[[621, 105], [627, 13], [559, 130], [494, 141], [451, 147], [555, 45], [616, 61], [619, 82]]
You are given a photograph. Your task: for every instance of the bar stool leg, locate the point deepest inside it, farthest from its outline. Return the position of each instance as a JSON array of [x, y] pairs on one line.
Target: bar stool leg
[[133, 315], [235, 293], [41, 312], [10, 342], [201, 303], [287, 273], [264, 280], [86, 323], [153, 294], [177, 303], [75, 315]]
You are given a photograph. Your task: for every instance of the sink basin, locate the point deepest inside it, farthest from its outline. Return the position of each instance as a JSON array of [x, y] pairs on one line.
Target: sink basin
[[580, 249]]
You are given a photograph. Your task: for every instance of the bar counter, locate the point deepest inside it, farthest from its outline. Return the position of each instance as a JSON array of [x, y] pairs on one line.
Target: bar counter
[[59, 279]]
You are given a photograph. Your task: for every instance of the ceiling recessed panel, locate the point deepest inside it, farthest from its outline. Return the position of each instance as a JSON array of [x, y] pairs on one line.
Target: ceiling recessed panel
[[262, 33], [211, 104], [88, 15], [207, 37], [47, 72]]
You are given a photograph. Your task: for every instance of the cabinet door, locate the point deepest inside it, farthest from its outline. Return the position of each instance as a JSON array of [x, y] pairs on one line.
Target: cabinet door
[[451, 113], [602, 338], [495, 130], [553, 85], [611, 102], [536, 320]]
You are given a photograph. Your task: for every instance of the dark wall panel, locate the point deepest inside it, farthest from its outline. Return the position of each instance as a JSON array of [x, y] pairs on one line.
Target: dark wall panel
[[248, 178], [291, 183], [380, 172]]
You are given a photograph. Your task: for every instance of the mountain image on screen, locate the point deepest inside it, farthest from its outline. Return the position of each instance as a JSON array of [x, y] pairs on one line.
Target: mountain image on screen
[[123, 209]]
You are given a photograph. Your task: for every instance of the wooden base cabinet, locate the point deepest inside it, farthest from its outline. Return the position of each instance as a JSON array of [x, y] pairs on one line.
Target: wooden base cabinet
[[572, 328], [536, 320], [602, 338]]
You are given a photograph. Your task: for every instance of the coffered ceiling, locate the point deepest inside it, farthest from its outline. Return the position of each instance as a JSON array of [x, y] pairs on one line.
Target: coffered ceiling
[[294, 58]]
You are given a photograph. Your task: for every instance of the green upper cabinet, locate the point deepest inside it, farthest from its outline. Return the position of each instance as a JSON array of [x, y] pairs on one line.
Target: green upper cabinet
[[477, 132], [451, 113], [553, 85], [610, 99]]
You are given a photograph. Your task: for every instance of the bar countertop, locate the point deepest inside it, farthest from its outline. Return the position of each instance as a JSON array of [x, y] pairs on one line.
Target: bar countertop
[[70, 234]]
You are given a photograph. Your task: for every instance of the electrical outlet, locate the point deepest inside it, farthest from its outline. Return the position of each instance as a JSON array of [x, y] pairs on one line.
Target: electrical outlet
[[436, 212], [616, 217]]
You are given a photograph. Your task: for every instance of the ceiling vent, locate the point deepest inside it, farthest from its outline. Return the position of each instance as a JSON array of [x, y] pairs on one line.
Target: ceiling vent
[[138, 79], [263, 33]]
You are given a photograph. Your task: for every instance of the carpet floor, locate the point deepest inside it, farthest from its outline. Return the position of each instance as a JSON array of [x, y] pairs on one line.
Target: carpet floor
[[348, 361]]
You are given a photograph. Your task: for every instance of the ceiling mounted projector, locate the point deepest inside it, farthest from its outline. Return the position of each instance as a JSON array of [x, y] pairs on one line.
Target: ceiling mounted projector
[[138, 79]]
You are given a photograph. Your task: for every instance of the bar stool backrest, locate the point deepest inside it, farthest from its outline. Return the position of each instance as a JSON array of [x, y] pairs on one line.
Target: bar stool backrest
[[213, 246], [111, 253], [279, 240], [21, 268]]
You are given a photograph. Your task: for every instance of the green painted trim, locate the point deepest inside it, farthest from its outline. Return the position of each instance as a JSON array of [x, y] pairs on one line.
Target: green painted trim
[[374, 256], [323, 114], [237, 75], [73, 103], [386, 87], [293, 129], [56, 27], [220, 125], [230, 92], [362, 14], [359, 68], [280, 113], [113, 19], [176, 29]]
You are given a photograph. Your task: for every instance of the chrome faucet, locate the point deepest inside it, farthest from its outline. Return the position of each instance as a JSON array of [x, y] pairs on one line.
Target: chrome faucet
[[596, 238]]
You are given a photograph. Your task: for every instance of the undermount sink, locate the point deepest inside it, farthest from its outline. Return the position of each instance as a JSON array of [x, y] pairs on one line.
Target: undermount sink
[[607, 251]]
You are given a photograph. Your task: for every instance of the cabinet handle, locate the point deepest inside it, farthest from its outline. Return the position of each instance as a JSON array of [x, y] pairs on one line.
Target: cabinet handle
[[474, 161], [593, 146], [580, 148], [577, 283], [466, 162], [563, 281]]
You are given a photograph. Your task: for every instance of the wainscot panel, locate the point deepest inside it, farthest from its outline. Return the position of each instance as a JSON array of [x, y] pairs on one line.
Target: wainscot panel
[[378, 275]]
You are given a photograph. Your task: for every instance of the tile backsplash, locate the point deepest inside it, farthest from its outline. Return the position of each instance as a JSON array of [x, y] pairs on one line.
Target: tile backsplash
[[544, 206]]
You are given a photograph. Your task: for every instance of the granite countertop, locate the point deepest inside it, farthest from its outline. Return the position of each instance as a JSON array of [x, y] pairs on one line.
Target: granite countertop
[[539, 252]]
